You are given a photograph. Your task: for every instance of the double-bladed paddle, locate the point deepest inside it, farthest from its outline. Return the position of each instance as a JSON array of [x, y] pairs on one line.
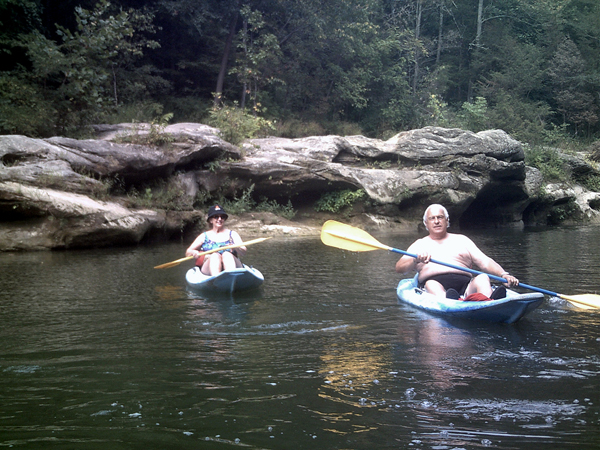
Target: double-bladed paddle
[[218, 249], [347, 237]]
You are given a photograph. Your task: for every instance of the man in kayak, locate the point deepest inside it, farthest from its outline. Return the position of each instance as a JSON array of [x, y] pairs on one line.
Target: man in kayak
[[217, 236], [455, 249]]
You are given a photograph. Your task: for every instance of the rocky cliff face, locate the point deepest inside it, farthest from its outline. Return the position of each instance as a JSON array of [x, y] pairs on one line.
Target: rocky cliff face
[[66, 193]]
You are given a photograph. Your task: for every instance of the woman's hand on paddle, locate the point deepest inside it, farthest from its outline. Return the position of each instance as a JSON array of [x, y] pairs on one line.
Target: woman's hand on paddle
[[192, 252]]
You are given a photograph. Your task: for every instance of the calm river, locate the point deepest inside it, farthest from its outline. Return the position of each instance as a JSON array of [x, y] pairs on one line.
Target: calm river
[[101, 351]]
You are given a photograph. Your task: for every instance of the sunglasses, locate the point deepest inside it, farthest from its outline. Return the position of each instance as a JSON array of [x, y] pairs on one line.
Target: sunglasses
[[219, 217]]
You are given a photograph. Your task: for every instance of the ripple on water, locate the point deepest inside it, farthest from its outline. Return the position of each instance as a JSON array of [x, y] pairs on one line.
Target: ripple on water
[[546, 367], [22, 369], [273, 329], [514, 409]]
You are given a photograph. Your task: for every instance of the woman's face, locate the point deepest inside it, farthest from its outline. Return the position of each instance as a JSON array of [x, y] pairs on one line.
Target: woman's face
[[218, 220]]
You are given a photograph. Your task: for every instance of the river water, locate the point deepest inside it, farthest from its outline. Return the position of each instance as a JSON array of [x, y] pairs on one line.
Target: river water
[[101, 351]]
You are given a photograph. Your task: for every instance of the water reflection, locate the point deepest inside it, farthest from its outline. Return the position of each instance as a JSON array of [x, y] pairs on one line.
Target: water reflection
[[434, 345], [101, 350]]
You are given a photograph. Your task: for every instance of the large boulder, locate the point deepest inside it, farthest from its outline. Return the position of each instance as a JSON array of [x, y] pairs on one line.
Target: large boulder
[[408, 171], [65, 193], [59, 219]]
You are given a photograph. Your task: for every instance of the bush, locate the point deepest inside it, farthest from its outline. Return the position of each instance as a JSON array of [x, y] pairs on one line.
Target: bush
[[547, 160], [161, 195], [591, 182], [336, 201], [285, 211], [345, 129], [241, 204], [439, 115], [236, 124], [474, 116], [23, 109], [156, 135], [136, 112], [594, 151], [294, 128], [188, 109], [246, 203]]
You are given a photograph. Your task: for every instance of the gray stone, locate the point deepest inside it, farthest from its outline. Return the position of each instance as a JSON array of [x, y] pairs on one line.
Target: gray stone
[[60, 192]]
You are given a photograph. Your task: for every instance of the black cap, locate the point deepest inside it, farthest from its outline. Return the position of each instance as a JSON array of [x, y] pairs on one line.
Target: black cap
[[216, 211]]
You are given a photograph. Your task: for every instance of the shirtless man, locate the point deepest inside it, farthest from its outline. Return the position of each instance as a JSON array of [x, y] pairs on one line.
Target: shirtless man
[[455, 249]]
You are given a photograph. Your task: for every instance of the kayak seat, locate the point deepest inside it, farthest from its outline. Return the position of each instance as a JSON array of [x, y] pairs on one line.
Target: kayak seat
[[499, 292]]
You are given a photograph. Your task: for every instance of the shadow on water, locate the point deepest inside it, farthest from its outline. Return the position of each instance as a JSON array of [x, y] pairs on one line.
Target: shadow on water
[[225, 297]]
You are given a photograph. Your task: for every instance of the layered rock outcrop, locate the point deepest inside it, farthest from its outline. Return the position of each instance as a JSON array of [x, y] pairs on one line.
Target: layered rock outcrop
[[67, 193]]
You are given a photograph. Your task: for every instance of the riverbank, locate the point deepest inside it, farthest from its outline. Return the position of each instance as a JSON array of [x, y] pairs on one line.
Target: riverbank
[[307, 224], [61, 193]]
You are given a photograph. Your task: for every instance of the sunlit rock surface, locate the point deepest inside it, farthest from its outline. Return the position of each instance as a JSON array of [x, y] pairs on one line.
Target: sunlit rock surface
[[68, 193]]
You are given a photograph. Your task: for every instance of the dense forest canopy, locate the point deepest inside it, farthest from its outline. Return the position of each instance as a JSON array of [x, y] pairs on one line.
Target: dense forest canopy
[[375, 67]]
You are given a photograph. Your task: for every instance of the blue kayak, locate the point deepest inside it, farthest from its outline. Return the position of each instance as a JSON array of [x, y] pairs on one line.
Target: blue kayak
[[228, 281], [505, 310]]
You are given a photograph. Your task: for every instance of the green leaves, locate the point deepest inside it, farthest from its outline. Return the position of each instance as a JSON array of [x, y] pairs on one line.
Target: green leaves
[[336, 201], [236, 124], [575, 97], [78, 75], [383, 66]]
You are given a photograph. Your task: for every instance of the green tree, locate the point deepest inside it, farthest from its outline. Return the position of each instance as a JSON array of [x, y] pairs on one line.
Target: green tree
[[379, 65], [197, 49], [343, 63], [574, 100], [16, 17], [75, 80], [259, 53]]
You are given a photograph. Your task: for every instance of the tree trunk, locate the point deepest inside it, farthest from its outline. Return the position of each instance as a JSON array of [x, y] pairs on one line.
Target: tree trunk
[[477, 46], [245, 72], [115, 86], [417, 36], [479, 22], [223, 70], [440, 34]]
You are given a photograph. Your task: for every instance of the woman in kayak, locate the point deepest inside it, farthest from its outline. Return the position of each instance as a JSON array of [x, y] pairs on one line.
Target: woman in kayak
[[217, 236]]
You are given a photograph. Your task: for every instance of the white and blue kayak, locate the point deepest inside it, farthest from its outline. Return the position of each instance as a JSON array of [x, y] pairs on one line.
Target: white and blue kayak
[[505, 310], [229, 281]]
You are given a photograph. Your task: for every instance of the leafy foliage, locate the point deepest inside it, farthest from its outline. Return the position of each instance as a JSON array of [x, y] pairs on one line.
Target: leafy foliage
[[156, 135], [161, 194], [259, 54], [574, 98], [76, 78], [474, 116], [246, 203], [373, 67], [336, 201], [548, 161], [236, 124]]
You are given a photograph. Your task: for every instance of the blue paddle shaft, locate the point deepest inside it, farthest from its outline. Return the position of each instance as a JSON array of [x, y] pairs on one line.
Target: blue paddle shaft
[[477, 272]]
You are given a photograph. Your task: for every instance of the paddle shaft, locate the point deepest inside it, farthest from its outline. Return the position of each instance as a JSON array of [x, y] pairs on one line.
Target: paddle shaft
[[214, 250], [477, 272]]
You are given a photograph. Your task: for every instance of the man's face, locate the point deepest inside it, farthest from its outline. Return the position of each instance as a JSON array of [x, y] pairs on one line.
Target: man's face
[[436, 221]]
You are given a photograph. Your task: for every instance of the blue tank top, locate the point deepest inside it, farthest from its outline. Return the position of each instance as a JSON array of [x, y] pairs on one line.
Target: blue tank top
[[211, 245]]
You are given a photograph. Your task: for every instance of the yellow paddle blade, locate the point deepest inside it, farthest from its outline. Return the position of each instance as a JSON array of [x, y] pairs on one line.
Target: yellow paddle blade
[[346, 237], [585, 301], [218, 249]]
